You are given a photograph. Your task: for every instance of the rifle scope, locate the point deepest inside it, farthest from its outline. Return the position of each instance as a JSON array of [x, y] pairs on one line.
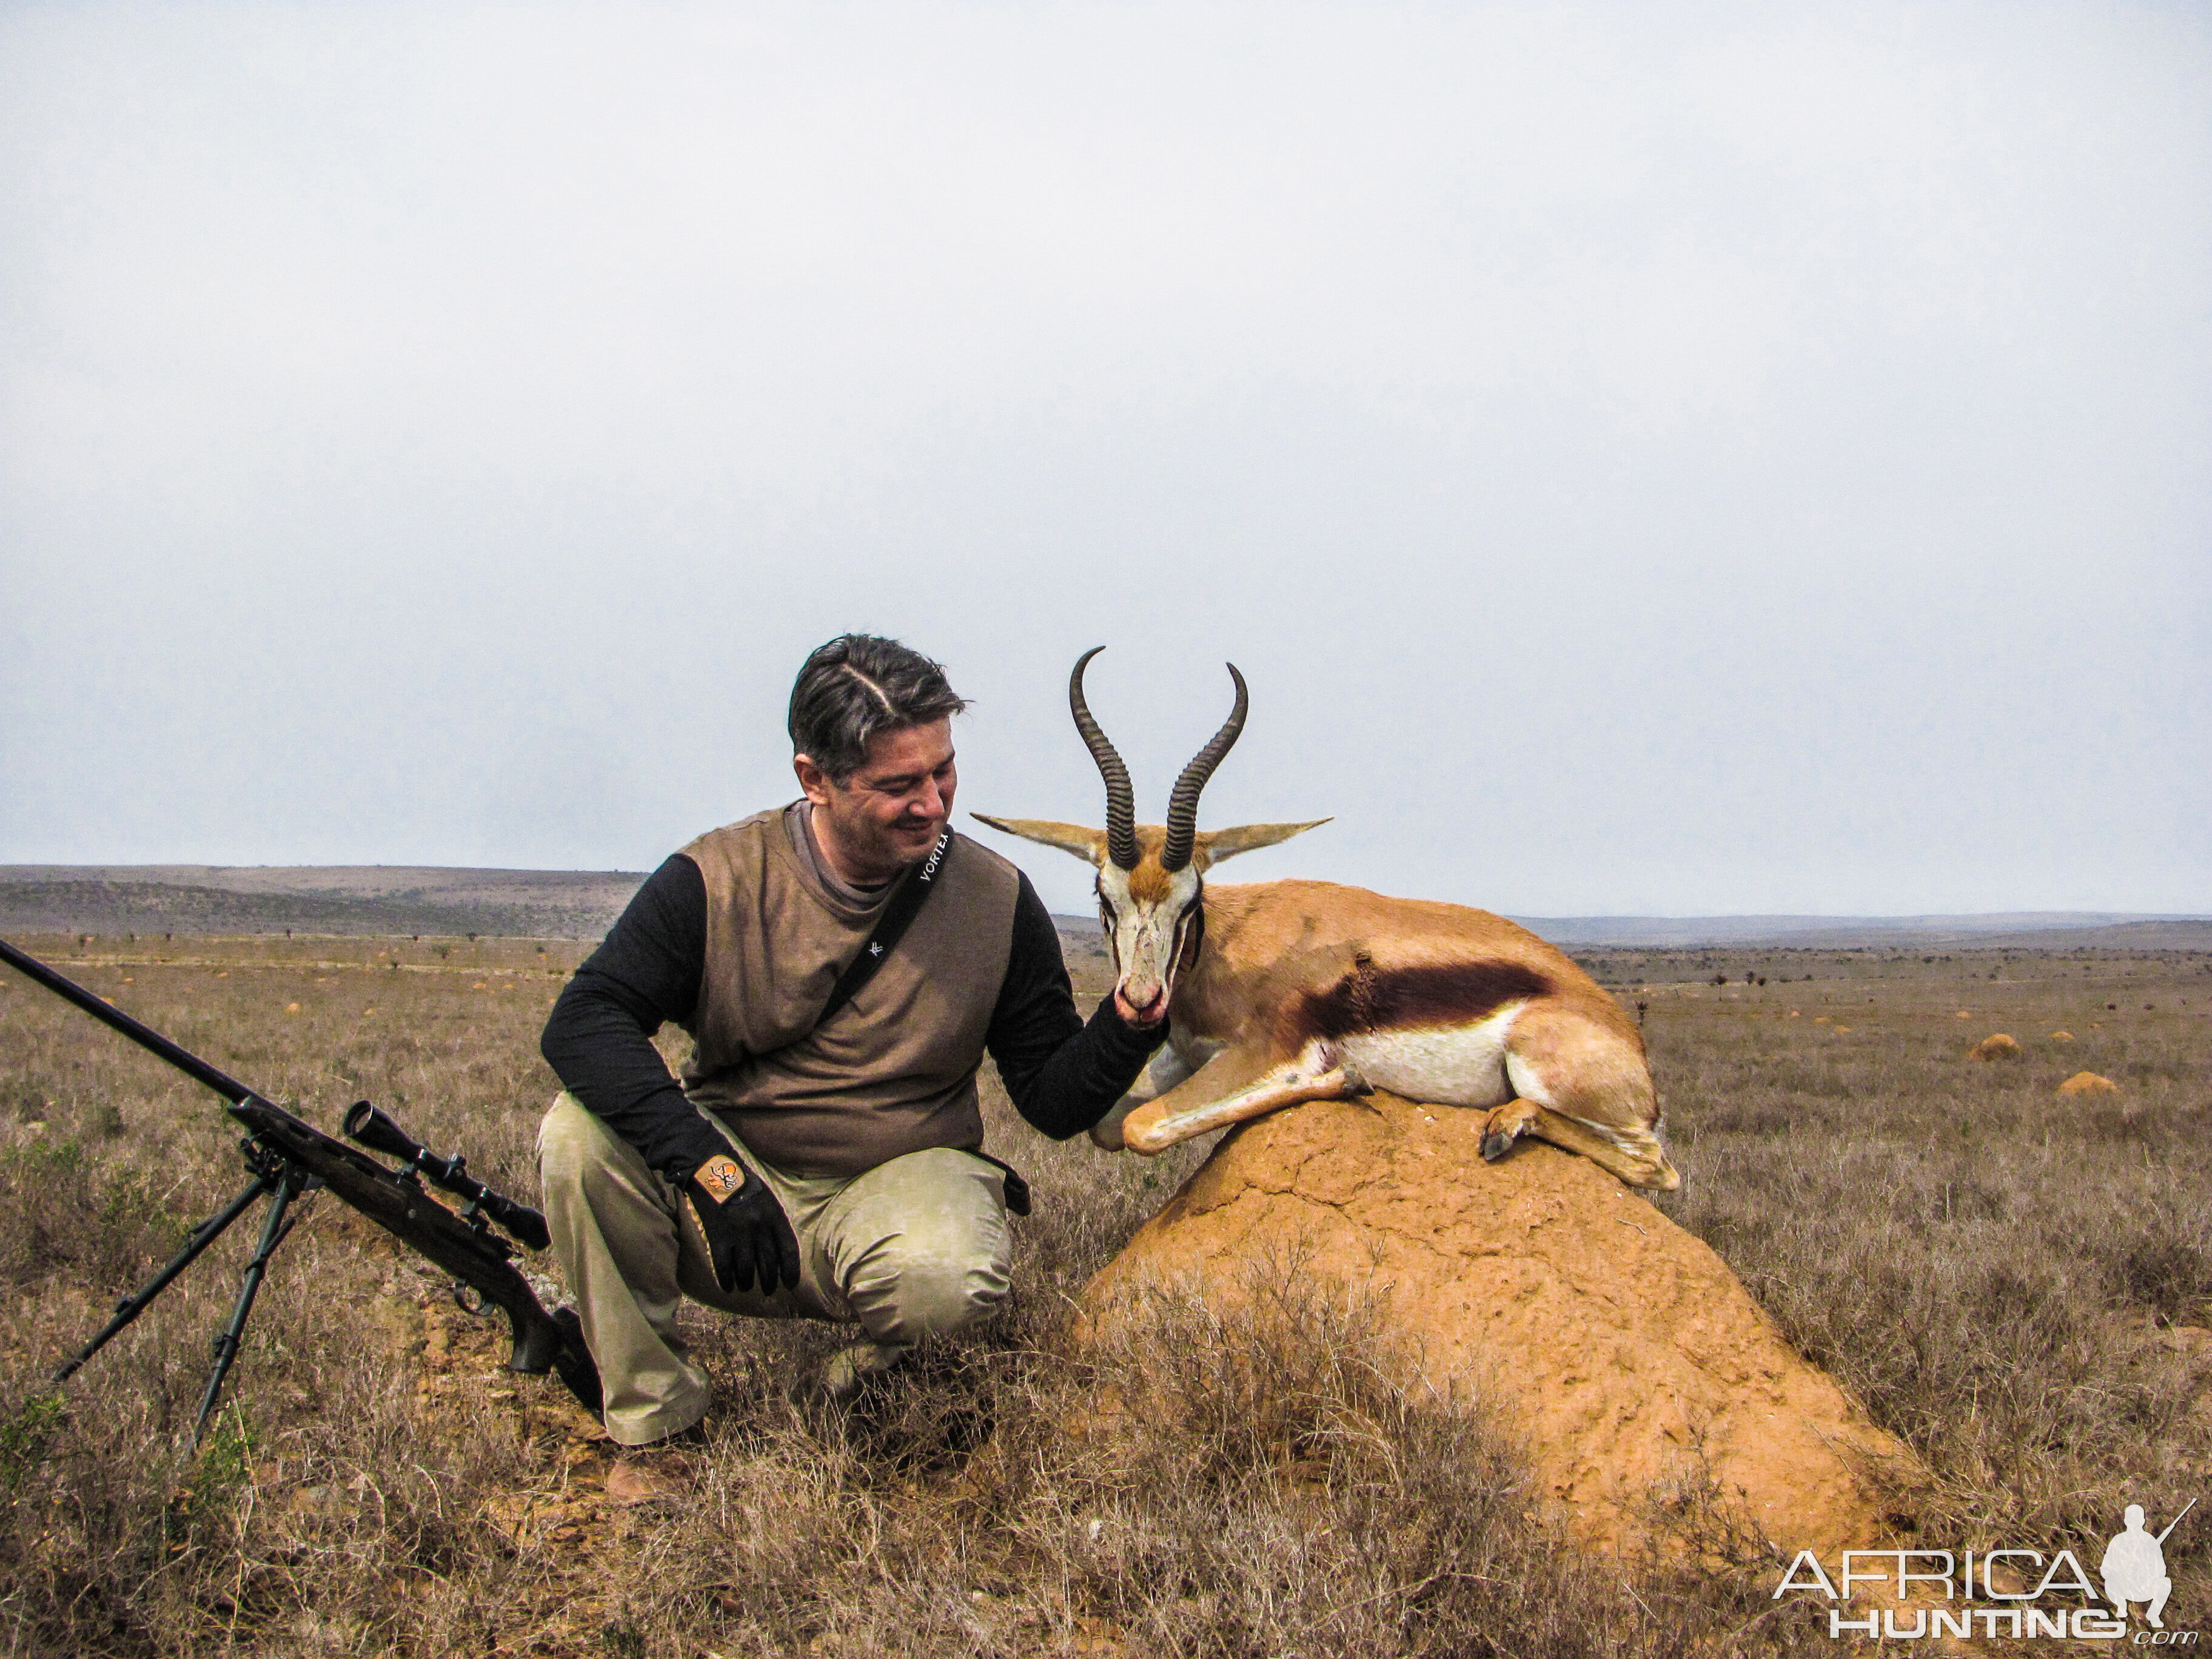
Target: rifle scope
[[377, 1132]]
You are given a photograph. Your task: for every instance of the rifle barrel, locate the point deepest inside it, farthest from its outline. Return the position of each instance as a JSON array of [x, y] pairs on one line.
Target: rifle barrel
[[2176, 1521], [144, 1036]]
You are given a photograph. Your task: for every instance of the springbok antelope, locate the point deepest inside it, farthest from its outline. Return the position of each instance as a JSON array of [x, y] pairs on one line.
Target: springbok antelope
[[1280, 992]]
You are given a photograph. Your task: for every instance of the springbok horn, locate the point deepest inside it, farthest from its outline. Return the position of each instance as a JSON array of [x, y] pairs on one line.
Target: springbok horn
[[1121, 800], [1182, 802]]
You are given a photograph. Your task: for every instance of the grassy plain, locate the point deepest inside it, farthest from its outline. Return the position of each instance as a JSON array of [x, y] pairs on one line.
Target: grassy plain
[[2014, 1281]]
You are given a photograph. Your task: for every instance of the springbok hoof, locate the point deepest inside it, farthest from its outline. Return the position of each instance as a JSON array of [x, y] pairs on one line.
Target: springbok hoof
[[1504, 1126], [1106, 1134]]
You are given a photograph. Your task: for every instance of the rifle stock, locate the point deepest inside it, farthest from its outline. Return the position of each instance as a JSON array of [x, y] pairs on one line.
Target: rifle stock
[[474, 1256]]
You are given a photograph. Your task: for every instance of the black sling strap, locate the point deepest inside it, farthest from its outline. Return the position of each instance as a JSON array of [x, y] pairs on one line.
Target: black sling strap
[[899, 915], [891, 927]]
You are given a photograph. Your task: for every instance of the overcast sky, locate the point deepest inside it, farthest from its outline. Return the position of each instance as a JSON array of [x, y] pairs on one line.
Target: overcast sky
[[1676, 459]]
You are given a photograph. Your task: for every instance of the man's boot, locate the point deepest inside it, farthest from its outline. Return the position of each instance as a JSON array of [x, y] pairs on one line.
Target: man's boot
[[658, 1473], [842, 1379]]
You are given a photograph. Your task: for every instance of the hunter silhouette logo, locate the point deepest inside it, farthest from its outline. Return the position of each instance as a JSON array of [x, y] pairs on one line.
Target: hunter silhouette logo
[[2134, 1567], [1987, 1593]]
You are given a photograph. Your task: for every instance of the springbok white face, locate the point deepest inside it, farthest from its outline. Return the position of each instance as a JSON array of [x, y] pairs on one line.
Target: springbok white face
[[1150, 877], [1151, 916]]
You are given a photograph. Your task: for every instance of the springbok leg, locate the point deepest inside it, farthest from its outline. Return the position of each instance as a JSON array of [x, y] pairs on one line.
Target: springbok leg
[[1236, 1084], [1173, 1065], [1595, 1093], [1641, 1163]]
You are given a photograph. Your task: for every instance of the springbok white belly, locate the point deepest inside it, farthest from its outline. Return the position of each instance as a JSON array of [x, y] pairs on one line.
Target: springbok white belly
[[1450, 1065]]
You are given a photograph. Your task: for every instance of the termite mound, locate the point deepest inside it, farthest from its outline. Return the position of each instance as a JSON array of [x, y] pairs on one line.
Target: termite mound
[[1620, 1352]]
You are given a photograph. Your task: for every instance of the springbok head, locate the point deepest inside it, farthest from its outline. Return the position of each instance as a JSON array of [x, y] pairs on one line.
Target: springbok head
[[1150, 877]]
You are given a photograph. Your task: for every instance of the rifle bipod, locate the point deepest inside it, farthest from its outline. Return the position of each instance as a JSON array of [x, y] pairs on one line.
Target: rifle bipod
[[281, 1180], [289, 1157]]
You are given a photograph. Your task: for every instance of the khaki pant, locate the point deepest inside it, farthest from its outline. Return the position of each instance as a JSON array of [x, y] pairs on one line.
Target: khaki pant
[[913, 1247]]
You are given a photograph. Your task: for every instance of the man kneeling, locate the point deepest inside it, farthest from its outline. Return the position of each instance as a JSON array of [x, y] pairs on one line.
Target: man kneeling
[[843, 964]]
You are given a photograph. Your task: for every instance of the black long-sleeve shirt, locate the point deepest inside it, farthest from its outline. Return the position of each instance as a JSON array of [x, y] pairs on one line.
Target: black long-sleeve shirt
[[1063, 1073]]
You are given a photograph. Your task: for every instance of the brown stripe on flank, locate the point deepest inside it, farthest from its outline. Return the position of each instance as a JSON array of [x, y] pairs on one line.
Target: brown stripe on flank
[[1441, 993]]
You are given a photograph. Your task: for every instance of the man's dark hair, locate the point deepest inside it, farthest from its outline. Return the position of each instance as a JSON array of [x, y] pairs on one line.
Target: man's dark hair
[[857, 686]]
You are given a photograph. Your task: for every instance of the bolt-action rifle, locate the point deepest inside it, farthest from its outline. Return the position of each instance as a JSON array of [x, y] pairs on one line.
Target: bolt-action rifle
[[289, 1157]]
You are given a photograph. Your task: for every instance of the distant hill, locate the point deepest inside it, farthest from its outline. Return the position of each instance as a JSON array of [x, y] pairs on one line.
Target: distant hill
[[2042, 930], [370, 899], [581, 904]]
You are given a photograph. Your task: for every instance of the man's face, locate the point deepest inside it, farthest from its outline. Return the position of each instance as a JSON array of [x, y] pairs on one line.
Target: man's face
[[891, 811]]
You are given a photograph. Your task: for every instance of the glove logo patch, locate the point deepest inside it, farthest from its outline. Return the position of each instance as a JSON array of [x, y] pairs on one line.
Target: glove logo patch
[[721, 1177]]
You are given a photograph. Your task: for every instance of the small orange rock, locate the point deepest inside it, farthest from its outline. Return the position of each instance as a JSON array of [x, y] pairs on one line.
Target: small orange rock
[[1962, 1014], [291, 1007], [2061, 1037], [2089, 1083], [1998, 1047]]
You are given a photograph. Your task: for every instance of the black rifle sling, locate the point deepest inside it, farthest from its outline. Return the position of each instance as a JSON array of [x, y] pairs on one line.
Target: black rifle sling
[[891, 927], [1017, 1190], [899, 915]]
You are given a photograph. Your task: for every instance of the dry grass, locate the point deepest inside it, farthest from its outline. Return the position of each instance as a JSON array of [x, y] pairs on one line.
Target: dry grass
[[2009, 1279], [1995, 1270]]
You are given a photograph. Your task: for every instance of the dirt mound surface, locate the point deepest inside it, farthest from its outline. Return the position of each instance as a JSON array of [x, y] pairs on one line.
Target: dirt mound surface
[[2000, 1046], [2089, 1083], [1623, 1350]]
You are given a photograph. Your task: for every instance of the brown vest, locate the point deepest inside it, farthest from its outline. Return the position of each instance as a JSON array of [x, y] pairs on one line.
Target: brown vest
[[894, 1070]]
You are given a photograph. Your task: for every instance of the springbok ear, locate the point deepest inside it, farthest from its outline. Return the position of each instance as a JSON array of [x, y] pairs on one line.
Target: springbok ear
[[1089, 845], [1215, 845]]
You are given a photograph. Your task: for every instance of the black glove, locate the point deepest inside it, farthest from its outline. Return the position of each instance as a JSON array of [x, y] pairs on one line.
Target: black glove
[[747, 1236]]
